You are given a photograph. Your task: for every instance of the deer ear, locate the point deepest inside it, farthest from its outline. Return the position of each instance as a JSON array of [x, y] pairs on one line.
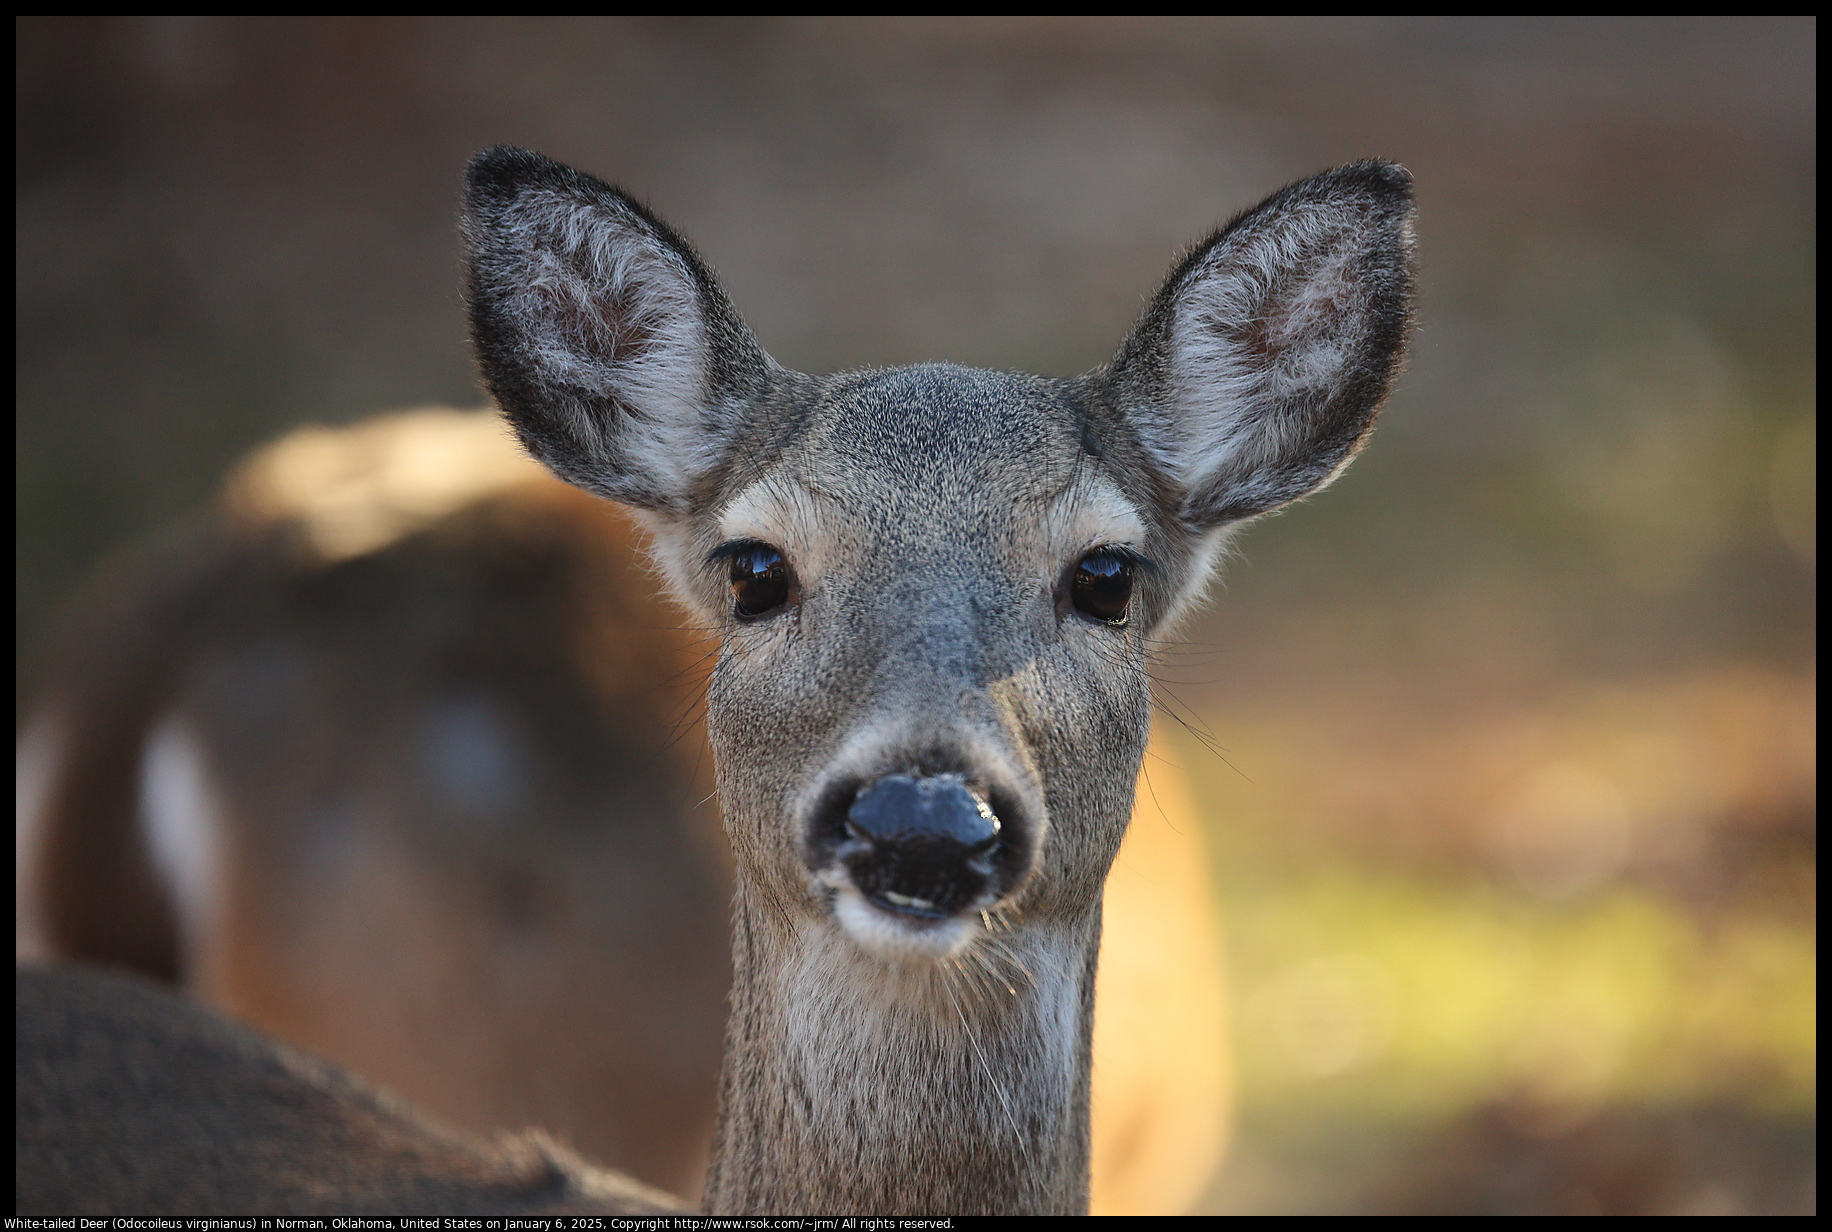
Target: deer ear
[[603, 336], [1256, 373]]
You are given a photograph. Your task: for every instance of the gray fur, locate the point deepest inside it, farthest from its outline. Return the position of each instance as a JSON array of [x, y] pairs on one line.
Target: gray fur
[[929, 516]]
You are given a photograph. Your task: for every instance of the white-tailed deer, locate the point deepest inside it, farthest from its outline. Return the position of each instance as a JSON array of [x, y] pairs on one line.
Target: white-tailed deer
[[397, 760], [935, 591]]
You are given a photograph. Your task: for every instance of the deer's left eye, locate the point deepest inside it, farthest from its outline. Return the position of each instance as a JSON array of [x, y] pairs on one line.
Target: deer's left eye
[[1101, 586]]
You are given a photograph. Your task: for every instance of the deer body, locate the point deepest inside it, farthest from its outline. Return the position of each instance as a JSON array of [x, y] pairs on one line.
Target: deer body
[[929, 579], [935, 591], [914, 664], [397, 732]]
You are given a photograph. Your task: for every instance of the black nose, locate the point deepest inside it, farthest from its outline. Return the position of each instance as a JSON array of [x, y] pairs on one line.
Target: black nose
[[920, 846]]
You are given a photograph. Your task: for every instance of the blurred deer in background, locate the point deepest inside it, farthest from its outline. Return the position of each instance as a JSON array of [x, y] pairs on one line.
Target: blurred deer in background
[[396, 754], [387, 759]]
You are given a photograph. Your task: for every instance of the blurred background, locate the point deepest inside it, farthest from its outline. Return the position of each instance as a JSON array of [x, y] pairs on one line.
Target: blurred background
[[1505, 746]]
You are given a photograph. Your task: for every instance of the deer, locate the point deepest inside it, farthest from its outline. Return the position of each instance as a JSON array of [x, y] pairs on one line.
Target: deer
[[381, 755], [935, 593]]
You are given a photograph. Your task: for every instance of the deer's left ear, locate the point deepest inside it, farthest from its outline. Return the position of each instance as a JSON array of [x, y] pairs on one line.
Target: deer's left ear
[[1256, 373]]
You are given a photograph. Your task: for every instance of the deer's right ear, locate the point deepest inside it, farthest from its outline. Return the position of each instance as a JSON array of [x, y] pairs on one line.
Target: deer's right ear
[[602, 335]]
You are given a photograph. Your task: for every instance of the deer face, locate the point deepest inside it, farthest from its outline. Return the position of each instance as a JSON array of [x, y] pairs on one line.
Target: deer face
[[933, 608]]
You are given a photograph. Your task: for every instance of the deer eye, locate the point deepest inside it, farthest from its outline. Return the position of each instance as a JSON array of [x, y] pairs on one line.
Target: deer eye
[[760, 578], [1102, 585]]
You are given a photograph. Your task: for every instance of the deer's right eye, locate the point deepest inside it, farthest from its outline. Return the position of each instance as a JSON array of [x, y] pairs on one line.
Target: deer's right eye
[[760, 580]]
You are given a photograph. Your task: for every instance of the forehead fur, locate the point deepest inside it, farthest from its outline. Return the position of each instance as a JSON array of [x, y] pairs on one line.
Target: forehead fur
[[938, 426], [901, 457], [782, 508]]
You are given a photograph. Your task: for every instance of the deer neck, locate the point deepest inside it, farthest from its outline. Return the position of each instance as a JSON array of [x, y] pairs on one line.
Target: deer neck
[[851, 1085]]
